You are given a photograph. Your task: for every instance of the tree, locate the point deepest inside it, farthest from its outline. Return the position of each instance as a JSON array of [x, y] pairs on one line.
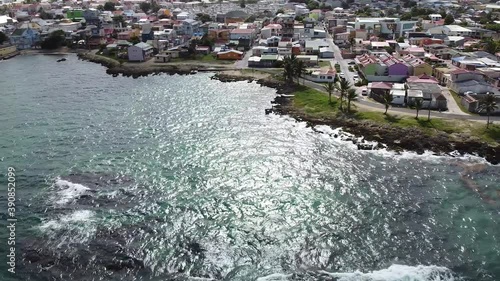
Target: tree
[[491, 46], [351, 96], [401, 39], [119, 20], [242, 4], [449, 19], [3, 37], [100, 8], [329, 87], [418, 105], [145, 7], [300, 69], [342, 86], [280, 11], [489, 105], [54, 41], [289, 67], [134, 40], [203, 17], [109, 6], [387, 99]]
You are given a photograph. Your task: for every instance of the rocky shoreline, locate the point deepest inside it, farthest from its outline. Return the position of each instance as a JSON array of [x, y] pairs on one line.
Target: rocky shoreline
[[366, 133], [115, 68]]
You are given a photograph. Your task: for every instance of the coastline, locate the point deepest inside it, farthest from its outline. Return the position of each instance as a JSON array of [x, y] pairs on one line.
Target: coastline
[[136, 70], [366, 132]]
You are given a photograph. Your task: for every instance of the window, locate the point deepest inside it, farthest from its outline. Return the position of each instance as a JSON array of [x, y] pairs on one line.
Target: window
[[329, 77], [322, 77]]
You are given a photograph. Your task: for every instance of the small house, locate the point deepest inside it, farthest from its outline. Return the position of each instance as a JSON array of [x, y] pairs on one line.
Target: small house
[[140, 52], [230, 55]]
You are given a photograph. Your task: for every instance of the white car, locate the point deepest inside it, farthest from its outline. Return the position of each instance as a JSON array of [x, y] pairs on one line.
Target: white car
[[364, 92], [342, 75]]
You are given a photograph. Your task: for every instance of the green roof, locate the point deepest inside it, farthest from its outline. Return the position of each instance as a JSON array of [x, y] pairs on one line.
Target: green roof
[[18, 32], [269, 57]]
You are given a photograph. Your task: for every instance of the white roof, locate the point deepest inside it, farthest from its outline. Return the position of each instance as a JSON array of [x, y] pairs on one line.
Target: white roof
[[398, 93], [325, 49], [457, 28]]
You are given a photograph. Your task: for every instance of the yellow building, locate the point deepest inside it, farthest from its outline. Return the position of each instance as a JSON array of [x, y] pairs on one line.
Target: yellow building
[[7, 51]]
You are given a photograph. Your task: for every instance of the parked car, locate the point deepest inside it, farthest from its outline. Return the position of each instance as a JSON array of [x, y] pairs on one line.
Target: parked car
[[342, 75], [364, 92], [351, 63]]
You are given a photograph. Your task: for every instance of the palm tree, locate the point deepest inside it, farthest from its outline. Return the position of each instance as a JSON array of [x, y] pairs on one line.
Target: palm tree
[[342, 86], [300, 69], [488, 104], [329, 87], [387, 98], [418, 106], [351, 96], [289, 67]]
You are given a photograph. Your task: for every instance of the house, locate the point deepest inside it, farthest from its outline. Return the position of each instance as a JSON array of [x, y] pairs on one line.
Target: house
[[377, 90], [424, 78], [264, 61], [462, 81], [190, 27], [310, 60], [162, 58], [230, 55], [473, 102], [326, 52], [24, 38], [395, 67], [417, 66], [237, 34], [432, 95], [312, 47], [204, 50], [140, 52], [321, 76]]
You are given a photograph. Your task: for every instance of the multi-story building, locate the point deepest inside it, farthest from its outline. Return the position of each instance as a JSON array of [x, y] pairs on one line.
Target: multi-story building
[[391, 28]]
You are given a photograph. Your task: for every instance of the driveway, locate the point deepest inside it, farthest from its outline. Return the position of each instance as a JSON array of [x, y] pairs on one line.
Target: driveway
[[243, 63]]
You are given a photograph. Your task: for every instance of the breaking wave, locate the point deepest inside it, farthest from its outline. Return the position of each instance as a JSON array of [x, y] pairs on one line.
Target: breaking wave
[[397, 272]]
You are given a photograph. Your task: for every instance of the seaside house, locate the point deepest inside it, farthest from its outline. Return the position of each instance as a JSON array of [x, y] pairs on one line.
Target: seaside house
[[322, 76], [230, 55], [462, 81], [432, 95], [139, 52], [24, 38]]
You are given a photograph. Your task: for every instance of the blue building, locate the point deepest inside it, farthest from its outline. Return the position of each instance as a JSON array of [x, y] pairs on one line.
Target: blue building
[[24, 38]]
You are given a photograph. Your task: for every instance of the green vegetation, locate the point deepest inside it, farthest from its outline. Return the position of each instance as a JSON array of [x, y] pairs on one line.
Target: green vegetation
[[488, 105], [3, 37], [337, 68], [351, 69], [458, 100], [293, 68], [203, 58], [109, 6], [55, 40], [324, 64], [315, 104]]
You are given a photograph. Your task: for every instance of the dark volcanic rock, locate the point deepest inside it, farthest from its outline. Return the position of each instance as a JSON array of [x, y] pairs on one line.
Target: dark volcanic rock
[[395, 138]]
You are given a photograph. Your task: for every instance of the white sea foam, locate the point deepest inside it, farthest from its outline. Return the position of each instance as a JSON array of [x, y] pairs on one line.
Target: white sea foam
[[78, 216], [275, 277], [397, 272], [68, 191], [404, 155]]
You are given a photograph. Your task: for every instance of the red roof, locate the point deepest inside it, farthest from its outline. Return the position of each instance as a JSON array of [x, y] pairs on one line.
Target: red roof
[[459, 71]]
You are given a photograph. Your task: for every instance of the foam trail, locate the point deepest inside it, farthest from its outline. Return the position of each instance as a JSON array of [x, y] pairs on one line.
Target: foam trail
[[397, 272], [69, 191], [275, 277], [77, 216]]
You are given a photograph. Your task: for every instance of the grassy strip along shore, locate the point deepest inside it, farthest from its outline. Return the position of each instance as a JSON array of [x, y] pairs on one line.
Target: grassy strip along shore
[[442, 136], [146, 68]]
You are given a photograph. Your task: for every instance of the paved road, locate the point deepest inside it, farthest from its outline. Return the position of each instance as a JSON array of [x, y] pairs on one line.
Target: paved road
[[243, 63]]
